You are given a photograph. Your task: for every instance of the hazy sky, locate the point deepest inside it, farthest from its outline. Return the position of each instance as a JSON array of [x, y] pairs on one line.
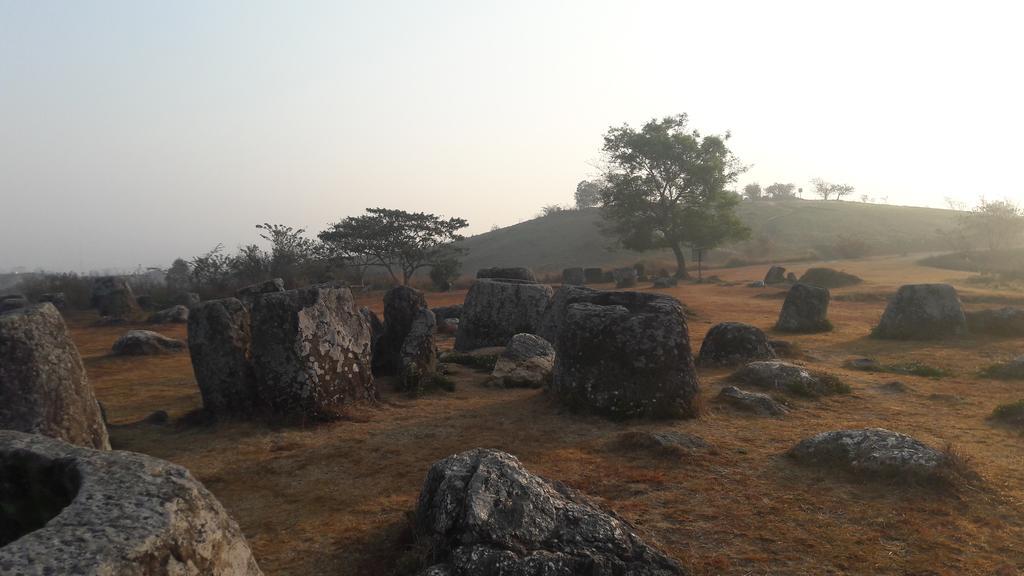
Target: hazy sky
[[133, 132]]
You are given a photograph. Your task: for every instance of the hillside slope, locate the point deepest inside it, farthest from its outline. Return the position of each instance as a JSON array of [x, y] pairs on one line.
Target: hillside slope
[[779, 230]]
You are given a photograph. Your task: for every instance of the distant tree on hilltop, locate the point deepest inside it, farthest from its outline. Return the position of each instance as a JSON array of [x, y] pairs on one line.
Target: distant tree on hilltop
[[588, 194], [780, 191], [665, 187], [753, 191], [830, 191], [400, 242]]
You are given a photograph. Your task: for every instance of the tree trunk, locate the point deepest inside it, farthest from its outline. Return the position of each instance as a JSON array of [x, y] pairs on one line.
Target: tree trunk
[[681, 273]]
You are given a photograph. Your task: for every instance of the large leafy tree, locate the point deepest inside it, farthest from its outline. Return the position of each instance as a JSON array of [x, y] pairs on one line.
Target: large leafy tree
[[666, 188], [400, 242]]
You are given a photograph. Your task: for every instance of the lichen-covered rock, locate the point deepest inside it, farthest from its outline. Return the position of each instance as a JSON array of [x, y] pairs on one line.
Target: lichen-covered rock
[[173, 315], [418, 355], [731, 343], [145, 343], [665, 282], [923, 312], [249, 294], [873, 452], [625, 277], [789, 378], [220, 344], [376, 326], [755, 402], [483, 514], [12, 302], [554, 313], [43, 385], [311, 352], [999, 322], [574, 276], [70, 510], [593, 275], [497, 310], [112, 296], [665, 442], [526, 362], [775, 275], [513, 273], [805, 310], [58, 299], [402, 305], [625, 355]]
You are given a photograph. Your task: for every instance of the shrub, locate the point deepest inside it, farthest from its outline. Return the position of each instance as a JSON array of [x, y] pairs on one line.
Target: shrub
[[1011, 414]]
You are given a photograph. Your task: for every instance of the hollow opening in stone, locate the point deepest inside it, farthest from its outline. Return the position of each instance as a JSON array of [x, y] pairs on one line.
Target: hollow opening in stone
[[33, 490]]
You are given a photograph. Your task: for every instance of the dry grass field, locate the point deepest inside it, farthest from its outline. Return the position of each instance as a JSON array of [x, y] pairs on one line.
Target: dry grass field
[[334, 499]]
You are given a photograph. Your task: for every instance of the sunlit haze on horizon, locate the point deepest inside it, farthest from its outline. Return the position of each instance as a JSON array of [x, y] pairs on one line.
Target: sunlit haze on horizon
[[137, 132]]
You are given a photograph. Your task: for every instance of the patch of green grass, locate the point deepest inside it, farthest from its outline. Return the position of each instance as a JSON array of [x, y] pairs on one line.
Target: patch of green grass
[[1005, 371], [481, 362], [1011, 414], [824, 385], [907, 368]]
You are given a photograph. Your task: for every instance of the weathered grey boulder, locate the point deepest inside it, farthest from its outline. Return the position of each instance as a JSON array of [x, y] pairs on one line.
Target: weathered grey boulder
[[446, 312], [791, 278], [112, 296], [625, 277], [70, 510], [311, 352], [805, 310], [173, 315], [483, 514], [756, 284], [527, 362], [513, 273], [872, 452], [554, 313], [448, 326], [402, 305], [789, 378], [666, 442], [187, 299], [220, 344], [58, 299], [922, 312], [574, 276], [775, 275], [999, 322], [755, 402], [829, 278], [665, 282], [625, 355], [12, 302], [145, 343], [43, 385], [376, 326], [593, 275], [731, 343], [418, 354], [249, 294], [497, 310]]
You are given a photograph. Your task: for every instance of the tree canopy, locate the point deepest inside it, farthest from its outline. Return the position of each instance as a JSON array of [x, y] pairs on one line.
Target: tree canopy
[[665, 187], [400, 242], [830, 191], [588, 193]]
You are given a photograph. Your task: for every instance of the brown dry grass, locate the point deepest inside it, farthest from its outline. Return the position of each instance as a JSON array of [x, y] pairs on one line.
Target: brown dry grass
[[333, 499]]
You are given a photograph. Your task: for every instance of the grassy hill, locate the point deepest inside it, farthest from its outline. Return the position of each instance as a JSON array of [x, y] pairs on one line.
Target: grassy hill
[[780, 230]]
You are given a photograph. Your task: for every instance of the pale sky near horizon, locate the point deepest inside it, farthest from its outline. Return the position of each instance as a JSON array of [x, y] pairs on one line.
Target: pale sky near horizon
[[135, 131]]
